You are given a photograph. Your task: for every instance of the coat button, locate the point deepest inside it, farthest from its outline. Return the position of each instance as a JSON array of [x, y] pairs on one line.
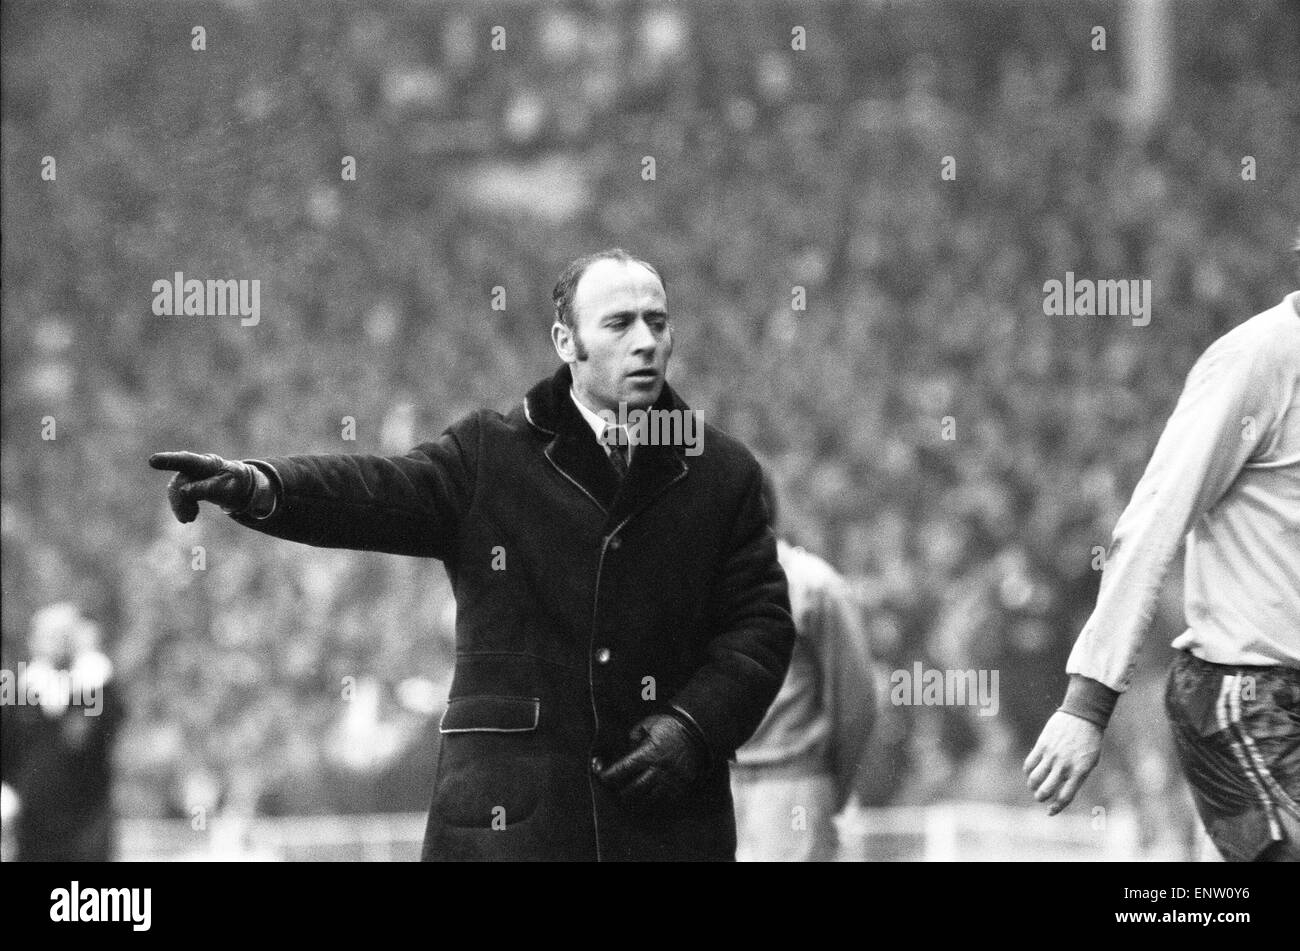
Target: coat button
[[615, 542], [596, 764], [602, 656]]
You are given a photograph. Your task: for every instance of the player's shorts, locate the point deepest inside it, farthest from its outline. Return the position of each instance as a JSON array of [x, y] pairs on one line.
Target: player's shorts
[[1237, 730]]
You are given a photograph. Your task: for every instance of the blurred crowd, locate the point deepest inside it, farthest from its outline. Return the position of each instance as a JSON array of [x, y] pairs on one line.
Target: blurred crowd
[[479, 168]]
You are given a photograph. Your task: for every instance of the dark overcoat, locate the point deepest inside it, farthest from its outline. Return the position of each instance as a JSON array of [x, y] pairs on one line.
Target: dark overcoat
[[583, 605]]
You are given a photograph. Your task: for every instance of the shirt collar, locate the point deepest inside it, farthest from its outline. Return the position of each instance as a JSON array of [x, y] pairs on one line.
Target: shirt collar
[[596, 423]]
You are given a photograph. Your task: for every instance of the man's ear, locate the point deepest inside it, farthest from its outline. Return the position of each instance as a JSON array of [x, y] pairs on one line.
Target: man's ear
[[562, 338]]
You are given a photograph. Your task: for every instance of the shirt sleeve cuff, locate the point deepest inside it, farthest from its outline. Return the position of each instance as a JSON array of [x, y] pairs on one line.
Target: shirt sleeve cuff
[[1089, 700]]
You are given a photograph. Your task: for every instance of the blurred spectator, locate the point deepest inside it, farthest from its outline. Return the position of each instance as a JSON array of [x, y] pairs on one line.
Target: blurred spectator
[[58, 733]]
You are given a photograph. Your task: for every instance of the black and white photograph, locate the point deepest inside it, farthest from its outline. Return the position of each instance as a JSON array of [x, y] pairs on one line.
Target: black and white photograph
[[800, 431]]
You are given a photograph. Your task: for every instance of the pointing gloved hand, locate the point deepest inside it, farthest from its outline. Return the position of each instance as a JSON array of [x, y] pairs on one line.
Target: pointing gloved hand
[[206, 478], [669, 755]]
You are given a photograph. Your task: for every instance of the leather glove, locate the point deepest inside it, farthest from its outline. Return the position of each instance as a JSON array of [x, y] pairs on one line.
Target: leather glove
[[205, 478], [666, 760]]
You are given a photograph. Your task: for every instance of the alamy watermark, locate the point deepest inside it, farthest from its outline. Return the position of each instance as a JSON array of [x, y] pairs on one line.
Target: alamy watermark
[[1084, 297], [77, 904], [945, 688], [182, 297], [39, 684], [655, 427]]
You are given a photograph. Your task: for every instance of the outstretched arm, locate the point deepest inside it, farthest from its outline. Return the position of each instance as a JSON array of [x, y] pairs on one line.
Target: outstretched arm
[[403, 505]]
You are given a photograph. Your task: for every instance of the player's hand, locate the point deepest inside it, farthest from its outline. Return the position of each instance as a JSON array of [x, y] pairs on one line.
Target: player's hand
[[205, 478], [1066, 752], [661, 767]]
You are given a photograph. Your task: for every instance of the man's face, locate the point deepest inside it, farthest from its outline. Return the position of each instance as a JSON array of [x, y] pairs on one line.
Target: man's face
[[620, 313]]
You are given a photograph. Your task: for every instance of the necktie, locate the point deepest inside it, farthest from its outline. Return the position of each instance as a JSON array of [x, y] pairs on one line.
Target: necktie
[[617, 451]]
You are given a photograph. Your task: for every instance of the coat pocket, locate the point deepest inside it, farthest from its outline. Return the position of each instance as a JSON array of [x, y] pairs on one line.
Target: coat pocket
[[492, 767], [490, 714]]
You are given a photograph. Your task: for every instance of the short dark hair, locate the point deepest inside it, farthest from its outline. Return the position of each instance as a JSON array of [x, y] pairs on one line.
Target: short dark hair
[[562, 296]]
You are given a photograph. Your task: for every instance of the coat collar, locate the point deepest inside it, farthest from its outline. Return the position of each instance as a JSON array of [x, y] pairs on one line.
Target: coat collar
[[573, 450]]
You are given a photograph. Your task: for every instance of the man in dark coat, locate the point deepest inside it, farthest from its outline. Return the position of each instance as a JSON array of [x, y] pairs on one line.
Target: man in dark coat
[[622, 621], [57, 754]]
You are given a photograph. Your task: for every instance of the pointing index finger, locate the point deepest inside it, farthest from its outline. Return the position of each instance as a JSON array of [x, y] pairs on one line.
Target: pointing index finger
[[189, 463]]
